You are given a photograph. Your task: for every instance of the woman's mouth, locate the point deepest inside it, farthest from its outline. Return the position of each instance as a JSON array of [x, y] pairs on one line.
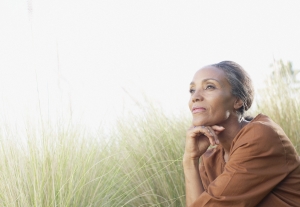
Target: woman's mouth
[[198, 110]]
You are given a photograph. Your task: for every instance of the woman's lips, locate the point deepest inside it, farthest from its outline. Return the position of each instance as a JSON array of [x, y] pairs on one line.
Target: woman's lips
[[198, 110]]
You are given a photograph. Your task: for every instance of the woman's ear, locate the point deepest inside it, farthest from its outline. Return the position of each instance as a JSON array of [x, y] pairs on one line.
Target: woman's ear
[[238, 103]]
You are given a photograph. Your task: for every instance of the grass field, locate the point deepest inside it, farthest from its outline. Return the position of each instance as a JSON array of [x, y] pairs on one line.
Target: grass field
[[139, 164]]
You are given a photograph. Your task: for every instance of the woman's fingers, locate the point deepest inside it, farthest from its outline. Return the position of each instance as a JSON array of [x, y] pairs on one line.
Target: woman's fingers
[[198, 139], [214, 134], [217, 129], [208, 132], [211, 132]]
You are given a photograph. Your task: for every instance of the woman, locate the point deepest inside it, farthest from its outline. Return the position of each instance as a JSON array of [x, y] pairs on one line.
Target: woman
[[253, 164]]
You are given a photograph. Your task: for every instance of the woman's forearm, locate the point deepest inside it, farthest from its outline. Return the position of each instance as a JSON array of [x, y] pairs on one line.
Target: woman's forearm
[[198, 139], [193, 183]]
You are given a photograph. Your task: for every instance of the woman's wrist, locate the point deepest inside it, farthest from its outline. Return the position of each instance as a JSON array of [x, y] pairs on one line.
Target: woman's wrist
[[190, 162]]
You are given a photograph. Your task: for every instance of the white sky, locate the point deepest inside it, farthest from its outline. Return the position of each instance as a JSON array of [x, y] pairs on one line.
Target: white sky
[[82, 54]]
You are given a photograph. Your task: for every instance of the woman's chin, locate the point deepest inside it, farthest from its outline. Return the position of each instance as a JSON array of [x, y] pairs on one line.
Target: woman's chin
[[200, 123], [203, 122]]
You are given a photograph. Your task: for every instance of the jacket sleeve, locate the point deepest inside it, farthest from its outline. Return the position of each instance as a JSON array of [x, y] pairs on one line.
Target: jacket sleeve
[[203, 175], [256, 165]]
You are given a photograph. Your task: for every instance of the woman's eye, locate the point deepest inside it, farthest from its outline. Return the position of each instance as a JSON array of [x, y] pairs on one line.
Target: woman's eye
[[210, 87], [192, 91]]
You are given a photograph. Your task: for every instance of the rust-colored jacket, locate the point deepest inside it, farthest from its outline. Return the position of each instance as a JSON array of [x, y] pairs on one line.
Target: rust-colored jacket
[[263, 169]]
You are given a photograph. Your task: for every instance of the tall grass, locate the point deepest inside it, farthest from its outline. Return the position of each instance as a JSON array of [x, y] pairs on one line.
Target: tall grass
[[137, 164], [280, 100]]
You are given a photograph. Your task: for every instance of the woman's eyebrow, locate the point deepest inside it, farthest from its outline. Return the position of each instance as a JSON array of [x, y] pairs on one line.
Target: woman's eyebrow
[[206, 79]]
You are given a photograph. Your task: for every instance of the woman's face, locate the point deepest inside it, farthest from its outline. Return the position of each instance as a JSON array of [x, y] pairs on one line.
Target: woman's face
[[211, 101]]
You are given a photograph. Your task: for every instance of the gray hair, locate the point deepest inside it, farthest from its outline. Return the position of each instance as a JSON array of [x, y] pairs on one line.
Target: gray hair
[[240, 82]]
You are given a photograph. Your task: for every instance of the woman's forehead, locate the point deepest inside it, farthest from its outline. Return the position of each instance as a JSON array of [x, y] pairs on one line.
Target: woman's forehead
[[210, 72]]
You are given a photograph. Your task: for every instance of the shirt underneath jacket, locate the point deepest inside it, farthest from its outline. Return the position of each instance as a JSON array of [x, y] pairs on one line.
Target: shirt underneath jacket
[[263, 169]]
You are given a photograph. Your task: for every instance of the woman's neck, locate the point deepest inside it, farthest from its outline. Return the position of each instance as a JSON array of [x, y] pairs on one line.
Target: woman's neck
[[232, 128]]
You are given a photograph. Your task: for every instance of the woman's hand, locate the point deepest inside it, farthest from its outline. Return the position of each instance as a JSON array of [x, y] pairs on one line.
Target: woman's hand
[[199, 138]]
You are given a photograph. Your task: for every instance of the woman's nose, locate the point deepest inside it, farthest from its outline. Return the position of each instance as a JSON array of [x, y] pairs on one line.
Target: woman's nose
[[197, 96]]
